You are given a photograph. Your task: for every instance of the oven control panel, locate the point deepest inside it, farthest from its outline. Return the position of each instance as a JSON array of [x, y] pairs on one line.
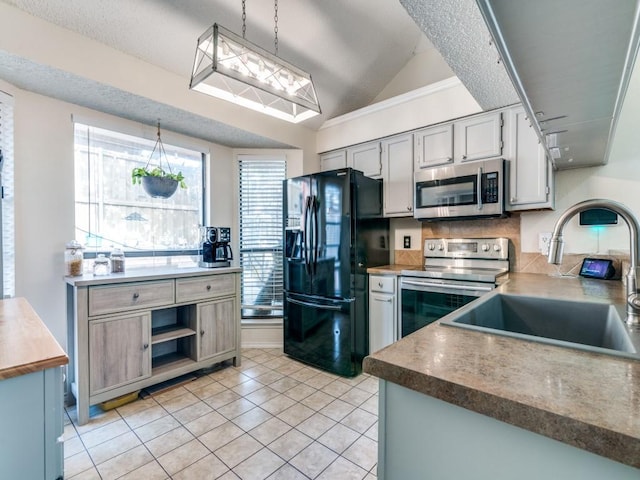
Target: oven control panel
[[481, 248]]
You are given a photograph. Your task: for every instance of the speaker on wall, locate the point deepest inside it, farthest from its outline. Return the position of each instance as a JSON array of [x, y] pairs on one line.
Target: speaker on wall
[[598, 216]]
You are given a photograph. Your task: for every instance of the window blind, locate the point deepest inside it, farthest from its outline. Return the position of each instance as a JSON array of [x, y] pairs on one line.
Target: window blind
[[7, 247], [261, 180]]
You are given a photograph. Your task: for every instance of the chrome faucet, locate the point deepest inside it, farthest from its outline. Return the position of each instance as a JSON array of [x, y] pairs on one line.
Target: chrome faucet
[[556, 246]]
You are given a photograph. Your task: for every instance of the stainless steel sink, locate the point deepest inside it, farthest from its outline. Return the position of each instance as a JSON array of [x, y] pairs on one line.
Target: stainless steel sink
[[589, 326]]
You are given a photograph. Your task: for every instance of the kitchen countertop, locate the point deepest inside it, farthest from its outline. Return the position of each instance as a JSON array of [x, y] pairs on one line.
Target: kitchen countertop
[[152, 273], [392, 269], [26, 345], [585, 399]]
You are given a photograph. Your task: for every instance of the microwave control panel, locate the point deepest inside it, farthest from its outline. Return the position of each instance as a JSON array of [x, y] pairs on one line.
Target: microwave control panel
[[490, 187]]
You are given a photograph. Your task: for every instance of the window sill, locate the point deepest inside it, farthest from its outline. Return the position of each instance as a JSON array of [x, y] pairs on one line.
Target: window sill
[[261, 322]]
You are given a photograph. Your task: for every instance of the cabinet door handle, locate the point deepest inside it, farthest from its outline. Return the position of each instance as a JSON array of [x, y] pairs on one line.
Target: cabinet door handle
[[201, 332], [208, 287], [388, 300], [380, 284], [145, 346], [136, 296]]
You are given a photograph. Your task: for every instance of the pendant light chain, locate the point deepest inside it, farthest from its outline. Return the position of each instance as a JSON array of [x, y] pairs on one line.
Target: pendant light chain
[[275, 28], [244, 19]]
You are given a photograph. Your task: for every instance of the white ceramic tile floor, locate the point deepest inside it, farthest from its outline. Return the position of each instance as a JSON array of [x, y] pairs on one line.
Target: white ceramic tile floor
[[271, 418]]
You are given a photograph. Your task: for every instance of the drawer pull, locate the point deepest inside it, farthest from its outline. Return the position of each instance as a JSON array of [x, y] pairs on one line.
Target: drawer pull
[[136, 296], [60, 439], [208, 287]]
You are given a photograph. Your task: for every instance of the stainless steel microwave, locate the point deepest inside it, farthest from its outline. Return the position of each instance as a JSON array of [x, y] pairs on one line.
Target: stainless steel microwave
[[469, 190]]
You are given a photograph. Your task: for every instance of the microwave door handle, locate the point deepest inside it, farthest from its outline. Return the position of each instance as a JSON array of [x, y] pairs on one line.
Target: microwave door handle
[[479, 188]]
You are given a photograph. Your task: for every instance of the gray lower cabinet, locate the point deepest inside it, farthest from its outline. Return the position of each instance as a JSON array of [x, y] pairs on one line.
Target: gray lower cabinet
[[217, 328], [119, 351], [128, 333], [31, 415]]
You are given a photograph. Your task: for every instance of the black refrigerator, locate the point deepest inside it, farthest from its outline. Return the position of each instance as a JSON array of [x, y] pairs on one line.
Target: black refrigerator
[[333, 231]]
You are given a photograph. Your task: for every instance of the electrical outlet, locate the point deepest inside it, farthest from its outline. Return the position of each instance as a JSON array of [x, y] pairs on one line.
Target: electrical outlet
[[543, 242], [407, 241]]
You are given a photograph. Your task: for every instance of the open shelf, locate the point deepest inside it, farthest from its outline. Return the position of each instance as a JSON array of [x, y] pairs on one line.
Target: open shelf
[[170, 332], [170, 361]]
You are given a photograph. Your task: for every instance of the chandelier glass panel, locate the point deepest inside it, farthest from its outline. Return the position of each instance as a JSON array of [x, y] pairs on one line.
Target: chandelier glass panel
[[229, 67]]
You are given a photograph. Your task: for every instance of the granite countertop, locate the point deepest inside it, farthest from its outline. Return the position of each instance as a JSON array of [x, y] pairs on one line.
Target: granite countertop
[[152, 273], [26, 345], [588, 400]]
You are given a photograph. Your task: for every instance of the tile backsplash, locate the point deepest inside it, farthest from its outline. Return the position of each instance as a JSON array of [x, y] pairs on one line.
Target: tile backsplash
[[530, 262]]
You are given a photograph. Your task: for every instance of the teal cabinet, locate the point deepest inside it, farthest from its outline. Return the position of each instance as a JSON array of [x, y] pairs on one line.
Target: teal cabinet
[[31, 415]]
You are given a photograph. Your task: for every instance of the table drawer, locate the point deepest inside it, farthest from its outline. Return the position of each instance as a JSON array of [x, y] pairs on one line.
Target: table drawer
[[105, 299], [382, 284], [201, 288]]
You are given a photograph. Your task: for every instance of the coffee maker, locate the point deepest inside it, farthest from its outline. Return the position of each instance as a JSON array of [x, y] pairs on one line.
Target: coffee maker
[[216, 248]]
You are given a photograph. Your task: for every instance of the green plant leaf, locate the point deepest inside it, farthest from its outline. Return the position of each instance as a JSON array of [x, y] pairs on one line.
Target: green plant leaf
[[139, 172]]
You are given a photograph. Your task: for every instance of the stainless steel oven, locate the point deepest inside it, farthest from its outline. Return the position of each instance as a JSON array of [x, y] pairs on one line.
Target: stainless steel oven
[[469, 190], [455, 272]]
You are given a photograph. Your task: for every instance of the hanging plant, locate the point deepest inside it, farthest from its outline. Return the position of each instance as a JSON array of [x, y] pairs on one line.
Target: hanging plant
[[156, 181]]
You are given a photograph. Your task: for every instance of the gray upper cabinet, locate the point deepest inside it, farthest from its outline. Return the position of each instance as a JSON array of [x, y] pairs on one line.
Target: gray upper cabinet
[[333, 160], [433, 146], [478, 137], [397, 164], [530, 174], [366, 158]]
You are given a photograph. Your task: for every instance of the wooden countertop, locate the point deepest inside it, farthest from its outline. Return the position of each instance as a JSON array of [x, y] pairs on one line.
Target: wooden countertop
[[153, 273], [26, 345], [588, 400]]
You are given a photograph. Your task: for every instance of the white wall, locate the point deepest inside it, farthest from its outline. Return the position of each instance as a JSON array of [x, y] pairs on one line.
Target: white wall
[[428, 105], [424, 68], [44, 194]]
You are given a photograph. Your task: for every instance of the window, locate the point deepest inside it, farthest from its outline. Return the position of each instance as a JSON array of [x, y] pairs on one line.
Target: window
[[261, 180], [110, 211], [7, 219]]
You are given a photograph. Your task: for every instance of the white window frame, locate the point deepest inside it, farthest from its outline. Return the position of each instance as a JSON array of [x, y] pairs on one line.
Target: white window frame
[[269, 253], [156, 255], [7, 212]]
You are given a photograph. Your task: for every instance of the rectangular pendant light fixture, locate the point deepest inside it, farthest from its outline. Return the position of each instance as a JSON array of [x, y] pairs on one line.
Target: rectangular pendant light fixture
[[229, 67]]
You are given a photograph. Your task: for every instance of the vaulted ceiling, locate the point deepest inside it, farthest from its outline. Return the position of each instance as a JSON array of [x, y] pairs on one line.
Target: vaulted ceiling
[[353, 50]]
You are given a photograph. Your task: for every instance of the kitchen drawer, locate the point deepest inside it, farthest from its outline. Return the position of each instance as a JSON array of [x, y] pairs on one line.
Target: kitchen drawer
[[105, 299], [201, 288], [382, 284]]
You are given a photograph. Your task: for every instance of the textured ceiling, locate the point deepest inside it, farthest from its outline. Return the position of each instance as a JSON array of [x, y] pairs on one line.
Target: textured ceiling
[[457, 29], [352, 49], [55, 83]]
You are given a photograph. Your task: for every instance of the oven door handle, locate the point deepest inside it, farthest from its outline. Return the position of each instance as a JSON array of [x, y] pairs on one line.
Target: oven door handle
[[448, 285]]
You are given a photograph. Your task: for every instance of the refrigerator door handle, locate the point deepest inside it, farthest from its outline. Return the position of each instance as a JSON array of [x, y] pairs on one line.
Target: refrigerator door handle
[[315, 305], [305, 233], [316, 229]]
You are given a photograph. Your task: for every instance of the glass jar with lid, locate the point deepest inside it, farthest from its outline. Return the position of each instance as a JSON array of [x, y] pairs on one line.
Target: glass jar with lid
[[117, 261], [73, 259], [101, 265]]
